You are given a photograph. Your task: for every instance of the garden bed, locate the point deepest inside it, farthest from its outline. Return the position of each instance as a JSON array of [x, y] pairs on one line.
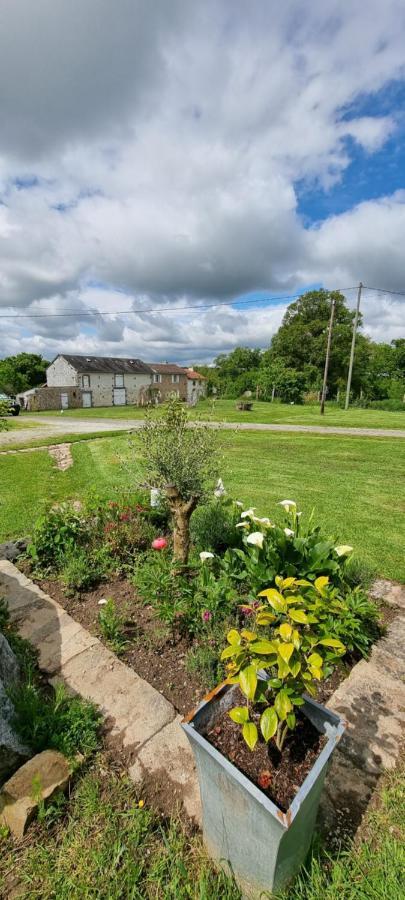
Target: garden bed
[[158, 654]]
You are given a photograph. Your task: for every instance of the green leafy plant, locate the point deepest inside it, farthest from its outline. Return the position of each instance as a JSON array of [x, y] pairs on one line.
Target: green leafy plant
[[213, 526], [279, 657], [111, 623], [354, 618], [58, 532], [55, 720], [80, 570], [180, 459]]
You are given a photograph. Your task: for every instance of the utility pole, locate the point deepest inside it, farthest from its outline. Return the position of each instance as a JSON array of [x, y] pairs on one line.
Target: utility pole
[[355, 321], [325, 374]]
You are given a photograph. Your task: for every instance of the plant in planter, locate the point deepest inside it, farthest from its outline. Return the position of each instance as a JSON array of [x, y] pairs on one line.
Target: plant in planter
[[180, 459], [273, 666]]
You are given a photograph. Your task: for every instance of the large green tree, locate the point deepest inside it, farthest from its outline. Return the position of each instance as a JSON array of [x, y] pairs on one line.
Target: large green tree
[[18, 373], [300, 342]]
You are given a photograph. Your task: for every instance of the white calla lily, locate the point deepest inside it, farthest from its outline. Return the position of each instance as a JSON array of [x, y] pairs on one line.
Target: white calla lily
[[288, 504], [256, 538], [239, 503], [205, 554], [288, 532], [264, 521], [343, 550], [242, 525], [248, 513], [220, 489]]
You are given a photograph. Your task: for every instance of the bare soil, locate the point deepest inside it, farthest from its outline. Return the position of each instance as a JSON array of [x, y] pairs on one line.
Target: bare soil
[[278, 775]]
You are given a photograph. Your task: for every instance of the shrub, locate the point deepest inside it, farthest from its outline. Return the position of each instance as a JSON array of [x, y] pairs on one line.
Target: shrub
[[57, 533], [159, 585], [355, 619], [213, 526], [111, 623], [64, 723], [80, 570], [284, 643]]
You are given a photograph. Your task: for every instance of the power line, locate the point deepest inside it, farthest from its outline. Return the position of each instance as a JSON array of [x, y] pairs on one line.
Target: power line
[[126, 312]]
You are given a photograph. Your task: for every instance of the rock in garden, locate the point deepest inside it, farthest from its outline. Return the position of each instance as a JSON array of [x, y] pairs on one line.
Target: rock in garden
[[11, 550], [12, 751], [36, 781]]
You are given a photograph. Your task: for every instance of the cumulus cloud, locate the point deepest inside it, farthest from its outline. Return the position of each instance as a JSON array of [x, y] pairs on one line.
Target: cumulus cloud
[[149, 157]]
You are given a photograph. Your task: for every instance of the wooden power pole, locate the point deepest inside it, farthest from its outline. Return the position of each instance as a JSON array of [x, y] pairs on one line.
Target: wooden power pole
[[325, 374], [355, 322]]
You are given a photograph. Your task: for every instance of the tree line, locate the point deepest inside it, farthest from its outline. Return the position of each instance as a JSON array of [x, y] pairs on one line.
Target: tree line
[[293, 365]]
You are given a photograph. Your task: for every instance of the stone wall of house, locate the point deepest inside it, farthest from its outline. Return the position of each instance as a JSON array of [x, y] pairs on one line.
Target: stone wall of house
[[196, 388], [61, 374], [167, 387], [101, 387], [50, 398]]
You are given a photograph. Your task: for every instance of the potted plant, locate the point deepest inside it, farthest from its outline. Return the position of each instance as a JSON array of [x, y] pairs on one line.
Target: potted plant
[[262, 743]]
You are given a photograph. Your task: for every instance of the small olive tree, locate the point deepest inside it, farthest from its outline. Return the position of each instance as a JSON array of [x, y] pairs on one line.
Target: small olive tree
[[180, 458]]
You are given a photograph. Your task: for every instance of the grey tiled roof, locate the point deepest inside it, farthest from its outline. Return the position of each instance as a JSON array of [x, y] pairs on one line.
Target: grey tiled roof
[[107, 364]]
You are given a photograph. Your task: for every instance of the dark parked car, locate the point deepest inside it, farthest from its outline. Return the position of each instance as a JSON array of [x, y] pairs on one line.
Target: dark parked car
[[10, 404]]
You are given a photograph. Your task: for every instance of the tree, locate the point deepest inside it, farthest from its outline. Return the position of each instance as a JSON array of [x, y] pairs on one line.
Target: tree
[[286, 384], [18, 373], [301, 339], [180, 459]]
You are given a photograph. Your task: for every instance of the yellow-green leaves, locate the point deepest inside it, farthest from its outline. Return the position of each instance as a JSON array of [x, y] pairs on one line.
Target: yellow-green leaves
[[239, 714], [332, 642], [282, 704], [268, 723], [315, 660], [321, 583], [275, 599], [250, 734], [285, 651], [233, 637], [248, 682], [263, 647], [298, 615], [285, 631]]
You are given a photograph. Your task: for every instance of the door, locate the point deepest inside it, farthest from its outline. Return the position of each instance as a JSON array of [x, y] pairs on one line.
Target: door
[[86, 396], [64, 401], [119, 398]]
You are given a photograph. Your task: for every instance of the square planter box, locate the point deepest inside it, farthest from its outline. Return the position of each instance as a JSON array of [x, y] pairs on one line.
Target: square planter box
[[243, 830]]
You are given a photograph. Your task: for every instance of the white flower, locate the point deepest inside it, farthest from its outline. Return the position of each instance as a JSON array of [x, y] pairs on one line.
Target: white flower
[[220, 489], [264, 521], [256, 538], [206, 555], [288, 504], [102, 602], [249, 513], [239, 503], [343, 550], [288, 532], [242, 525]]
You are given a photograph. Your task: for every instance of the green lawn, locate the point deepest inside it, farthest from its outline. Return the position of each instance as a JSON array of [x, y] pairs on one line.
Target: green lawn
[[277, 413], [355, 484], [103, 846]]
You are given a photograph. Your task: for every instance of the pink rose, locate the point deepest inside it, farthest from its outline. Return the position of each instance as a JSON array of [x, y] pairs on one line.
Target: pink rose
[[159, 543]]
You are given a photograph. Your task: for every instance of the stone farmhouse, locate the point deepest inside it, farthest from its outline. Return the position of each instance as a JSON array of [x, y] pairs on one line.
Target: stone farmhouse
[[90, 381]]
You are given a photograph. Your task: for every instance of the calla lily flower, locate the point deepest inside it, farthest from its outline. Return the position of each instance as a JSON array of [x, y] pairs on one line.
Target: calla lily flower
[[256, 538], [206, 555], [288, 532], [239, 503], [242, 525], [248, 513], [288, 504], [220, 489], [263, 521], [343, 550]]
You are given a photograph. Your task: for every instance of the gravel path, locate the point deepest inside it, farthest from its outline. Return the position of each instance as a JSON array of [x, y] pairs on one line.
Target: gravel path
[[51, 427]]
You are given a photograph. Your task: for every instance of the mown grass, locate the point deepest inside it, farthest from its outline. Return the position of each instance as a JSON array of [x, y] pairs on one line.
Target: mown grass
[[57, 439], [277, 413], [104, 844], [355, 484]]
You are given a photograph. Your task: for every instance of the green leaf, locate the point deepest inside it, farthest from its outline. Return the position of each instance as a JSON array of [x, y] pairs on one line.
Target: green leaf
[[248, 681], [291, 720], [315, 660], [230, 651], [248, 635], [233, 636], [282, 704], [239, 714], [283, 668], [321, 583], [265, 618], [264, 647], [268, 723], [275, 599], [250, 734], [332, 642], [285, 631], [298, 615], [285, 651], [295, 668]]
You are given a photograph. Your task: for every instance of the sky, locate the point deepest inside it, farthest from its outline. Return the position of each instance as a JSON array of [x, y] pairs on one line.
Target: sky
[[157, 156]]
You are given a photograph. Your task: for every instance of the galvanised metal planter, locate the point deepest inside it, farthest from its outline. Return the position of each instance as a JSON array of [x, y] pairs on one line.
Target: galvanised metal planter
[[242, 829]]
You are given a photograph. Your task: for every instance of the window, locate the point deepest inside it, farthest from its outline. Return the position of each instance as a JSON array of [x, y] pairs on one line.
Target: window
[[86, 381], [175, 379], [119, 381], [156, 378]]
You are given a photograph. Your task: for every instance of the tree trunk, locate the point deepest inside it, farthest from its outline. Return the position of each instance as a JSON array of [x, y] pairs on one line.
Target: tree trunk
[[181, 511]]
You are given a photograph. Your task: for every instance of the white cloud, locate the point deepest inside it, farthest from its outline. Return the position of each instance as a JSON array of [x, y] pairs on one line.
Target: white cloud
[[156, 147]]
